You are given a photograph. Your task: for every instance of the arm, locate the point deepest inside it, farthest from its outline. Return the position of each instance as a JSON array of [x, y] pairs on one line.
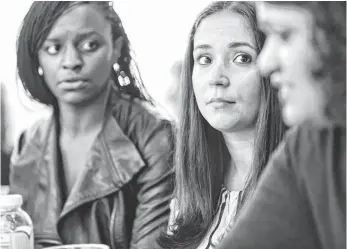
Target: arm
[[23, 180], [277, 215], [155, 188]]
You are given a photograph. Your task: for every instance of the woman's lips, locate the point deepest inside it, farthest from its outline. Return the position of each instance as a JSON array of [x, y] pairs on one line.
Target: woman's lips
[[220, 103], [73, 85]]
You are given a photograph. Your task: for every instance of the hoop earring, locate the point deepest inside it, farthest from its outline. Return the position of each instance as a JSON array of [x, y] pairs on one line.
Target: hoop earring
[[40, 71]]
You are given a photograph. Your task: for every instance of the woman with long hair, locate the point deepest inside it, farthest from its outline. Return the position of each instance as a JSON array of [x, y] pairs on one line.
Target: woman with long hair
[[229, 125]]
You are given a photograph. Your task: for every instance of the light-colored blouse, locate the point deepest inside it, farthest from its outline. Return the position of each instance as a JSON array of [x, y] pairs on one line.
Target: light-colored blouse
[[223, 220]]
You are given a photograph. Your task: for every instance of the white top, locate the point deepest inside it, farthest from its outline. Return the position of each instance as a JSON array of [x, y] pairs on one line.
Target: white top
[[222, 223]]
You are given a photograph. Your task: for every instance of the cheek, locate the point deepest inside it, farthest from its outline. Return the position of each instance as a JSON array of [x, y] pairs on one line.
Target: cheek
[[251, 99], [50, 69], [100, 65], [99, 68], [310, 94], [248, 88], [298, 58], [48, 63], [101, 58], [290, 59], [307, 101]]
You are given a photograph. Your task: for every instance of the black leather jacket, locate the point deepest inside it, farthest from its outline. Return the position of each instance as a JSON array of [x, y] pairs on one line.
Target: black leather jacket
[[122, 198]]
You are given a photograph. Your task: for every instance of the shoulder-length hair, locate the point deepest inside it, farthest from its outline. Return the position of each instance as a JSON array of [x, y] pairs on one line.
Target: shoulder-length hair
[[202, 155], [36, 26], [329, 40]]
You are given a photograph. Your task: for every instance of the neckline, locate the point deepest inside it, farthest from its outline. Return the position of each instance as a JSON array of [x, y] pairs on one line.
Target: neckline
[[225, 189]]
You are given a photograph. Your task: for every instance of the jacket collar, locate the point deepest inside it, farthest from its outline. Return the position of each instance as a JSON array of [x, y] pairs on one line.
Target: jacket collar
[[112, 162]]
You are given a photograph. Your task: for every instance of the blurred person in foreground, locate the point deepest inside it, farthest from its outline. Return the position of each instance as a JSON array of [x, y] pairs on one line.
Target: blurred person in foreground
[[300, 201]]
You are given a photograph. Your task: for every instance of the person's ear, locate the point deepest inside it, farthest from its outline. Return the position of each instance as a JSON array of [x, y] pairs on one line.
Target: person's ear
[[117, 48]]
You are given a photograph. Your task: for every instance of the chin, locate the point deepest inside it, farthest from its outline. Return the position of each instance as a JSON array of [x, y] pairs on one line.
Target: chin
[[292, 117], [224, 125], [288, 121], [75, 100], [80, 98]]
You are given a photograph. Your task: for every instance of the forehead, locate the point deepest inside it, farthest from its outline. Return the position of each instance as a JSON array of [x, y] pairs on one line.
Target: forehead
[[81, 17], [224, 25], [282, 15]]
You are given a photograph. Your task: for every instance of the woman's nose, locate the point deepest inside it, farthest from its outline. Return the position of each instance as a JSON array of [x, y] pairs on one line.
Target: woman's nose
[[219, 75], [268, 59], [72, 59]]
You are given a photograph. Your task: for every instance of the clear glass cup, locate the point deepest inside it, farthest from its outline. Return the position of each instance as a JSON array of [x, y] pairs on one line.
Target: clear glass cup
[[16, 227], [79, 246]]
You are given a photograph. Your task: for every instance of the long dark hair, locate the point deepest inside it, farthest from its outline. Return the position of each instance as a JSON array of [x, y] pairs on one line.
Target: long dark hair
[[36, 26], [201, 154], [329, 40]]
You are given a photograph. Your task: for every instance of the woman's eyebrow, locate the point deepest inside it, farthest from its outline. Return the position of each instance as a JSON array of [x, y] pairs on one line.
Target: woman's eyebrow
[[202, 46], [241, 44], [230, 45], [80, 36], [84, 35]]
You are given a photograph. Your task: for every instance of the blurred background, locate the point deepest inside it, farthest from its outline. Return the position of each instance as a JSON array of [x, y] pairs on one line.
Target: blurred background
[[158, 31]]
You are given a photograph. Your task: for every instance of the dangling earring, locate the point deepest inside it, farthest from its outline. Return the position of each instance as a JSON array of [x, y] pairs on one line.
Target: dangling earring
[[40, 71], [122, 78], [116, 67]]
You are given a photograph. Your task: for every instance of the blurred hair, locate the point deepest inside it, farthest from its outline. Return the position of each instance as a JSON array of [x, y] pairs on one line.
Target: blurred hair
[[36, 26], [173, 91], [4, 117], [202, 155], [176, 69], [329, 39]]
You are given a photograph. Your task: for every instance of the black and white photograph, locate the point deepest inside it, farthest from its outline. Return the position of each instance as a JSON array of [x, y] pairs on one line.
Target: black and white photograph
[[153, 124]]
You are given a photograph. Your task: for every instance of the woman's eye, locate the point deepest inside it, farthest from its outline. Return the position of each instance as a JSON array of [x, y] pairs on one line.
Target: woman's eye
[[243, 59], [89, 46], [204, 60], [54, 49]]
